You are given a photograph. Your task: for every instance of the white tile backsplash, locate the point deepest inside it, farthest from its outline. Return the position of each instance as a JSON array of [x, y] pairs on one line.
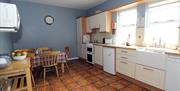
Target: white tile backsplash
[[99, 36]]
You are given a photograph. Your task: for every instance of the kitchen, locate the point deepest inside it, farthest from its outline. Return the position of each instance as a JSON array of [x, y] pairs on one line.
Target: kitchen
[[150, 64], [125, 40]]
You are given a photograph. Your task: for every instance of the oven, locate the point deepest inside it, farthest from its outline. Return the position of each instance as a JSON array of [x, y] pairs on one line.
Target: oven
[[90, 53]]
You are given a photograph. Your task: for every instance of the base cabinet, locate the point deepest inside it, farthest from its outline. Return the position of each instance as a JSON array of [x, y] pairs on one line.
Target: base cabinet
[[83, 55], [125, 62], [98, 55], [151, 76], [173, 74], [126, 67]]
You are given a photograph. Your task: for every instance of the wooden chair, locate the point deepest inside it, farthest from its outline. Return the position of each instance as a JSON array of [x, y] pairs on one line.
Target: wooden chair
[[67, 51], [49, 60]]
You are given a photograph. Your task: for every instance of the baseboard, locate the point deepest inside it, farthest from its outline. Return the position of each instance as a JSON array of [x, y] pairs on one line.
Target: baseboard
[[73, 58]]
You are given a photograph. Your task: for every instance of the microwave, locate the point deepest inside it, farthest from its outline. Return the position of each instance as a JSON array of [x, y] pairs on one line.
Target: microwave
[[108, 41]]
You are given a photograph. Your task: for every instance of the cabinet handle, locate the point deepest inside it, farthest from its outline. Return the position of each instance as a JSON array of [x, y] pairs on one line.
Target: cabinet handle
[[148, 69], [124, 57], [124, 62], [124, 51]]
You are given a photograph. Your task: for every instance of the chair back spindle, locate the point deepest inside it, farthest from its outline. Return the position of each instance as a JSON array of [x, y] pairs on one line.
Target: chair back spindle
[[49, 59]]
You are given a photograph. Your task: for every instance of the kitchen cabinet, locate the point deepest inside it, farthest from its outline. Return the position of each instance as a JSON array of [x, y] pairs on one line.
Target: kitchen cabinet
[[81, 30], [109, 60], [88, 23], [84, 52], [173, 74], [101, 21], [98, 55], [105, 20], [151, 76], [125, 62], [94, 21]]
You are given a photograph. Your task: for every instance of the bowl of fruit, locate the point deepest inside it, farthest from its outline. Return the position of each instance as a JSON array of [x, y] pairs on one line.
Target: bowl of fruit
[[19, 55]]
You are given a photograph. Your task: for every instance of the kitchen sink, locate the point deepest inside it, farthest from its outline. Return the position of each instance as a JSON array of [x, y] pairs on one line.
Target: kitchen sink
[[152, 50], [153, 57]]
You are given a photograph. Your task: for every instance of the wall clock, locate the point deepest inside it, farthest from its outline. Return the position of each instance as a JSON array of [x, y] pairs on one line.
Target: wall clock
[[49, 20]]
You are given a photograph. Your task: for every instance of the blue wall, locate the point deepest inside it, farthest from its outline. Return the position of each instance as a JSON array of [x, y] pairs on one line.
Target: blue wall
[[7, 1], [109, 4], [5, 39], [35, 33]]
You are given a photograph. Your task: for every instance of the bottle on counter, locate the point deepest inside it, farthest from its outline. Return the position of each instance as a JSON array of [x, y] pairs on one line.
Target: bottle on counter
[[128, 40]]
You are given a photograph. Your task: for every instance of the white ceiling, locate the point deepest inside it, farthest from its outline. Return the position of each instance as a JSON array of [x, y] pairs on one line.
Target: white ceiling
[[75, 4]]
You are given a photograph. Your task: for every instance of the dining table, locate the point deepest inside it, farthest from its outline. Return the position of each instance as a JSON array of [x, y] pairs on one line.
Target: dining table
[[16, 68], [36, 61]]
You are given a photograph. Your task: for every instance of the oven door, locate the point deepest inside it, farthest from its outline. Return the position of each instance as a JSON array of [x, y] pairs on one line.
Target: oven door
[[89, 49], [90, 58]]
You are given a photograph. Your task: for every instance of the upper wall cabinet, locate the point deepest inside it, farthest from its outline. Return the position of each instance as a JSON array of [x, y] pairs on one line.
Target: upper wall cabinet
[[88, 25], [105, 21], [101, 21]]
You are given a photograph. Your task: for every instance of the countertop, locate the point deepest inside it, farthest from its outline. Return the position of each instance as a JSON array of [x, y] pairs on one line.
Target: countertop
[[170, 52]]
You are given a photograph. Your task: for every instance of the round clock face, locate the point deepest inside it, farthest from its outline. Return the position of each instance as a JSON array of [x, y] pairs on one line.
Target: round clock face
[[49, 20]]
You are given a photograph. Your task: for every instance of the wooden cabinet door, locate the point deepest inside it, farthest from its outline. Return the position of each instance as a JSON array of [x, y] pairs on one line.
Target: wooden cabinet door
[[124, 65], [98, 55], [151, 76], [84, 54], [105, 20], [102, 22], [127, 68], [88, 25]]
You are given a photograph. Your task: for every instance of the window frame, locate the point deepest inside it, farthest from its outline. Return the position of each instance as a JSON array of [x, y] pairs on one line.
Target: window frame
[[147, 23], [128, 25]]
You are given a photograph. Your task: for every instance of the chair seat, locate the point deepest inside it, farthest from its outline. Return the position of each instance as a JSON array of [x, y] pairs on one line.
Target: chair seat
[[47, 66]]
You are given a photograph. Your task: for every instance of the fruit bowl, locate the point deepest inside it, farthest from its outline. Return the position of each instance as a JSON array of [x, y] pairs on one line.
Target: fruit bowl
[[19, 55], [22, 57]]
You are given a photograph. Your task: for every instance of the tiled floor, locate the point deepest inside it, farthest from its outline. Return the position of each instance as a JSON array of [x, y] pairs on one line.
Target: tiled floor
[[84, 77]]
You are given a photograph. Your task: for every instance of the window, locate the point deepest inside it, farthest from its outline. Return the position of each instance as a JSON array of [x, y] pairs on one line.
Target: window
[[126, 26], [162, 25]]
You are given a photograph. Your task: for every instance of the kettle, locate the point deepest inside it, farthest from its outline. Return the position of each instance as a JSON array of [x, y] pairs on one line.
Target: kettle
[[103, 40]]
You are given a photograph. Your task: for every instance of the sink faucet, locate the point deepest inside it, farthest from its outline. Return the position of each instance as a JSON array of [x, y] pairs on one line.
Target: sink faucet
[[160, 42]]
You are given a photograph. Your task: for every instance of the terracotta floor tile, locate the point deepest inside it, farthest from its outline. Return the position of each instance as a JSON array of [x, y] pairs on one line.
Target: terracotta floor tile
[[84, 77], [107, 88], [108, 80], [56, 84], [72, 86], [91, 88], [78, 89], [117, 85], [94, 79], [68, 81], [101, 76], [44, 88], [83, 82], [115, 77], [41, 83], [100, 84], [59, 89], [77, 77], [124, 82], [135, 87]]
